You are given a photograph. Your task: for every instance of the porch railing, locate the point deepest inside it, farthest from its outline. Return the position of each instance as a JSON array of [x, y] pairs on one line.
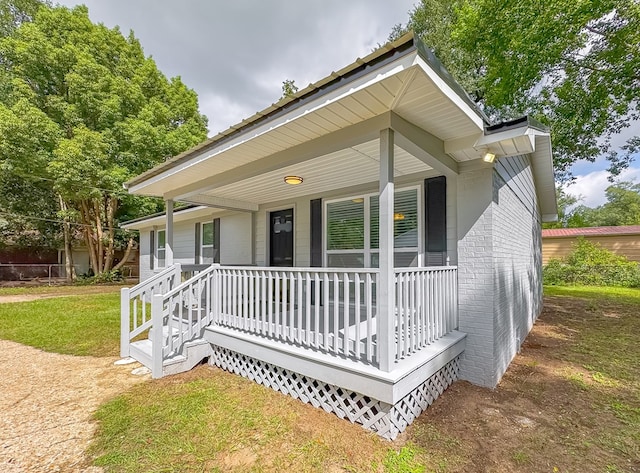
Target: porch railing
[[181, 315], [426, 306], [135, 313], [330, 310]]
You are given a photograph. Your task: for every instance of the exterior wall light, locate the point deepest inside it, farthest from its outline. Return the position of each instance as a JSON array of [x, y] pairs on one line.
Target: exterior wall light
[[489, 157], [293, 180]]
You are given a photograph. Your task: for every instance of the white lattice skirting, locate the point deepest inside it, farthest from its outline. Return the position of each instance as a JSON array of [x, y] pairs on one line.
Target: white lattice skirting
[[385, 419]]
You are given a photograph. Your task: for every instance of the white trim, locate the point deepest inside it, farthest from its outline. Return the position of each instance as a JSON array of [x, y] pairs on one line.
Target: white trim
[[156, 247], [202, 245]]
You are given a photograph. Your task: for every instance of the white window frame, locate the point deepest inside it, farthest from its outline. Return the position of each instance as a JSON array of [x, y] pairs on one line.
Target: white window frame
[[157, 248], [367, 250], [202, 245]]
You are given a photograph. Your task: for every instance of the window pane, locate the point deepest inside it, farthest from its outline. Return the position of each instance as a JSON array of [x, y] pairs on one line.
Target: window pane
[[162, 238], [207, 255], [346, 260], [345, 225], [207, 233], [405, 259], [161, 257], [405, 219]]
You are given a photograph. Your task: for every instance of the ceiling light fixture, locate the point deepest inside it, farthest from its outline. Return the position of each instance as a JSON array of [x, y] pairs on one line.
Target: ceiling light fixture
[[293, 180], [489, 157], [398, 216]]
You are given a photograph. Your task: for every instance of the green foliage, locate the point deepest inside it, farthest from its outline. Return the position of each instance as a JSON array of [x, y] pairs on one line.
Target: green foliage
[[571, 64], [83, 110], [622, 208], [106, 277], [289, 88], [591, 265]]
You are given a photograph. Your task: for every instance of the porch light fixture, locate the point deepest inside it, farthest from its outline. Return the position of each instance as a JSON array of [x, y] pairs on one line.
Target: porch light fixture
[[293, 180], [489, 157], [357, 200], [398, 216]]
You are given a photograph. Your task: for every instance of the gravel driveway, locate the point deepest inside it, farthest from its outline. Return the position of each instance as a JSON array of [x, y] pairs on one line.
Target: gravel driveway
[[46, 404]]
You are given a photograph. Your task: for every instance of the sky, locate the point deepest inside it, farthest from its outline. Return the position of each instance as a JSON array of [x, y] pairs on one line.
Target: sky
[[236, 54]]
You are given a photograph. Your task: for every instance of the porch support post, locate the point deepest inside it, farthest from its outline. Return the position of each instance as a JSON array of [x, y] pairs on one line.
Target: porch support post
[[169, 234], [386, 290]]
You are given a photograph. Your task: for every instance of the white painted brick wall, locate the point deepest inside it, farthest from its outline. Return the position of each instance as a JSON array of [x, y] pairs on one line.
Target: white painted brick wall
[[499, 267], [517, 260]]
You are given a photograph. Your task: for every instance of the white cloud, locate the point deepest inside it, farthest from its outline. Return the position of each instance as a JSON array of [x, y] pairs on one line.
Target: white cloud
[[236, 54], [593, 185]]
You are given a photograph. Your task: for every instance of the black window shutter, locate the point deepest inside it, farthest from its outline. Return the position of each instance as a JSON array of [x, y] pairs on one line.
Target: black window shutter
[[216, 240], [435, 196], [196, 258], [152, 249], [316, 233]]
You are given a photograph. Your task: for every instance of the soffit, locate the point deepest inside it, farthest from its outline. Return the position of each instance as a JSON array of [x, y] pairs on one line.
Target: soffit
[[346, 168]]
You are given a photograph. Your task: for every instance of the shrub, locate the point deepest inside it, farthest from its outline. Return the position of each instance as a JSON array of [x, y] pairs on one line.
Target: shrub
[[591, 265], [104, 278]]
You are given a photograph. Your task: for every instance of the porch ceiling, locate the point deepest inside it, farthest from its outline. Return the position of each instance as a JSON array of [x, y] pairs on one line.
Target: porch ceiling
[[354, 110], [350, 167]]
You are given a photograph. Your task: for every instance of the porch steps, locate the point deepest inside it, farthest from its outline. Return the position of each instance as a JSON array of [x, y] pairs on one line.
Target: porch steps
[[192, 353]]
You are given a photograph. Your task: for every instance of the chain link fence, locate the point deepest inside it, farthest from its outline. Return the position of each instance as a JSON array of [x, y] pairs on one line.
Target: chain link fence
[[45, 273]]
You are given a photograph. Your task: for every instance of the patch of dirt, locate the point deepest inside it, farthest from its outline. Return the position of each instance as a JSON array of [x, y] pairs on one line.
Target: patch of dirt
[[58, 291], [25, 297], [537, 419], [46, 404]]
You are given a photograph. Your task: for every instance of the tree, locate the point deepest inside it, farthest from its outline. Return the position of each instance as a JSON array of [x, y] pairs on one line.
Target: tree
[[289, 88], [572, 65], [622, 208], [566, 215], [84, 110]]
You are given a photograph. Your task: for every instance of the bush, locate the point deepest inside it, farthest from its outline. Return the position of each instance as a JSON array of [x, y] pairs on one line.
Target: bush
[[104, 278], [591, 265]]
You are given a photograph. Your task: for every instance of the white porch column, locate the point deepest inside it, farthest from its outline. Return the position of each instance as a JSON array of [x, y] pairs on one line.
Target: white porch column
[[386, 289], [169, 234]]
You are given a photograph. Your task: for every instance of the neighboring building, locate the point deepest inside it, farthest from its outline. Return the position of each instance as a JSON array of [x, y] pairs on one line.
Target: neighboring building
[[623, 240], [354, 246]]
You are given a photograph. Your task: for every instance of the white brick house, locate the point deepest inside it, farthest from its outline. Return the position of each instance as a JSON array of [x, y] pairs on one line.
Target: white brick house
[[355, 246]]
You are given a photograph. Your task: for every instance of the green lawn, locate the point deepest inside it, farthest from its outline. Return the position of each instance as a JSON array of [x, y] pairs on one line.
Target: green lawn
[[86, 324], [576, 381]]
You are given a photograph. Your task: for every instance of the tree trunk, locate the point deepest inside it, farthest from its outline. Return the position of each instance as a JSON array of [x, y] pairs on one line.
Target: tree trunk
[[127, 252], [68, 252], [99, 236], [88, 235], [112, 205]]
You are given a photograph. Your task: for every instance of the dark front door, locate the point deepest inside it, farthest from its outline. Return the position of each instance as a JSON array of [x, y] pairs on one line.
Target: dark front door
[[281, 238]]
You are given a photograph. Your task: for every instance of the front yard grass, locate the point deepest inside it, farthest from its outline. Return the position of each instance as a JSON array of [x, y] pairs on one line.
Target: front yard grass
[[569, 402], [87, 324]]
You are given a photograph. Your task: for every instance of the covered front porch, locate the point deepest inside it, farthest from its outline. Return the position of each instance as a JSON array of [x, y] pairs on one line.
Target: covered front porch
[[339, 224], [304, 331]]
